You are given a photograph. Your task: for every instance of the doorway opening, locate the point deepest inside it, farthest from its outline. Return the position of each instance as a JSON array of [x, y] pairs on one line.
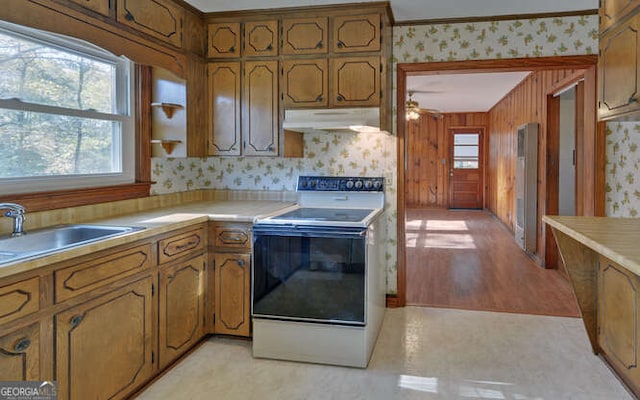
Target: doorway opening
[[549, 75], [466, 171]]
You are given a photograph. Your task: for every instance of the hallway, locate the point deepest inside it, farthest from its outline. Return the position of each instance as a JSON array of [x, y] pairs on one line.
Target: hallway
[[469, 260]]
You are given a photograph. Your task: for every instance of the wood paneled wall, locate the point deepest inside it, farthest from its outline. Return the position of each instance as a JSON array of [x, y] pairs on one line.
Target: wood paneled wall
[[528, 103], [427, 178]]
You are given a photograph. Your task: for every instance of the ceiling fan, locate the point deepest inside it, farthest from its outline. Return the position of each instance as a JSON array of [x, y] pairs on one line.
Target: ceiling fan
[[413, 109]]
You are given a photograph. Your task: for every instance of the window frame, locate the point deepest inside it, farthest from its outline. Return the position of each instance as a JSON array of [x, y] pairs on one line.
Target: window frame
[[27, 187]]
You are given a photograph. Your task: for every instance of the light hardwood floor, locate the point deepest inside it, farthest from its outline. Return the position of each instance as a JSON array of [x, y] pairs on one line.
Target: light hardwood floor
[[469, 260]]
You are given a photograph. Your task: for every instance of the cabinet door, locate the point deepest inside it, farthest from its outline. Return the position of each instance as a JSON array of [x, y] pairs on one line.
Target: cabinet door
[[305, 36], [356, 33], [99, 6], [618, 70], [224, 108], [20, 354], [305, 83], [612, 11], [233, 274], [261, 38], [19, 299], [181, 308], [104, 346], [355, 81], [224, 40], [260, 108], [161, 19], [618, 322]]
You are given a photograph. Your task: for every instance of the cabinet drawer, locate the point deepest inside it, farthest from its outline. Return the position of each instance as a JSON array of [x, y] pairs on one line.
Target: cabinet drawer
[[99, 6], [181, 245], [81, 278], [235, 236], [19, 299]]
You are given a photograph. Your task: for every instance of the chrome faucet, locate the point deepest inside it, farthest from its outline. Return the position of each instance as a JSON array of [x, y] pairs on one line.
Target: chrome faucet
[[15, 211]]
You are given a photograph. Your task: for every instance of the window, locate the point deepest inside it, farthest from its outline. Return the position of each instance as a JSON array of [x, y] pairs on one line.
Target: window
[[65, 118], [466, 150]]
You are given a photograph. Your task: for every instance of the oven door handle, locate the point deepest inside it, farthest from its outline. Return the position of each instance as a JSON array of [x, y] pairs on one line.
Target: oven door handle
[[299, 231]]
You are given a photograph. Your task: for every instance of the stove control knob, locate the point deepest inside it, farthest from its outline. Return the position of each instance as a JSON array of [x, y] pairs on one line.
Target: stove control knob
[[303, 184], [377, 184], [368, 185], [312, 184], [349, 184], [358, 184]]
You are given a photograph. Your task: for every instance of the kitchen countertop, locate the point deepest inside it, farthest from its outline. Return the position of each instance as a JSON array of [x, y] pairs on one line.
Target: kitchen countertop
[[156, 222], [618, 239]]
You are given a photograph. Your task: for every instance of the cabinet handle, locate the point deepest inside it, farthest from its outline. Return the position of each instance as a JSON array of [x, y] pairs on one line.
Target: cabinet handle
[[340, 44], [232, 49], [184, 246], [632, 99], [270, 148], [129, 17], [241, 263], [75, 321], [22, 345], [269, 47], [319, 45], [319, 98], [339, 98]]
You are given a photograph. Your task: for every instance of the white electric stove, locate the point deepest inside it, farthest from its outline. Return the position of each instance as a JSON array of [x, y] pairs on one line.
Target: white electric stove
[[318, 287]]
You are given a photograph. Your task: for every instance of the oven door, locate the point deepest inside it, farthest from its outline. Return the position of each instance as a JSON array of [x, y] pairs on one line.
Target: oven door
[[314, 274]]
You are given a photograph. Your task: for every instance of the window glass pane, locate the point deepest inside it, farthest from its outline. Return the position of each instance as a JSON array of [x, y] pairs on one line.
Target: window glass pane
[[37, 144], [466, 138], [465, 164], [465, 151], [39, 73]]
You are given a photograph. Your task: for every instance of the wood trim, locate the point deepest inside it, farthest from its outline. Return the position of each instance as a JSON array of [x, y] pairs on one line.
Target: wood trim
[[78, 197], [552, 177], [601, 175], [491, 18], [143, 85], [470, 66], [497, 65], [392, 301]]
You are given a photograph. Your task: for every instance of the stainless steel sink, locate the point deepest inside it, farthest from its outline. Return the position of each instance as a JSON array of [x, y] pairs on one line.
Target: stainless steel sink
[[45, 241]]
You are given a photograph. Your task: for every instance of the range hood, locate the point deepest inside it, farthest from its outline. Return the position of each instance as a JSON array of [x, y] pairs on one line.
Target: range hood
[[352, 120]]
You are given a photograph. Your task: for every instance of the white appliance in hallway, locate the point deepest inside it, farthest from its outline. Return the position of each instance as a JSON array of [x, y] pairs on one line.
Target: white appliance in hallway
[[318, 287], [526, 186]]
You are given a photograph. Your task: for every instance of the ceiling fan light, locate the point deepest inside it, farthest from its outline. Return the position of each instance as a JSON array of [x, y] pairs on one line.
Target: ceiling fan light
[[412, 115]]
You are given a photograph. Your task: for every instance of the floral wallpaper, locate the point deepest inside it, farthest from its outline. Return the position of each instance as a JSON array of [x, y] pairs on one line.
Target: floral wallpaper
[[538, 37], [367, 155], [623, 164], [347, 154]]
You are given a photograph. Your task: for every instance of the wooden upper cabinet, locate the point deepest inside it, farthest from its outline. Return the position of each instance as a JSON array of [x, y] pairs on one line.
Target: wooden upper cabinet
[[305, 36], [181, 308], [161, 19], [223, 40], [224, 108], [261, 38], [355, 81], [612, 11], [99, 6], [104, 346], [356, 33], [305, 83], [20, 354], [619, 70], [260, 108]]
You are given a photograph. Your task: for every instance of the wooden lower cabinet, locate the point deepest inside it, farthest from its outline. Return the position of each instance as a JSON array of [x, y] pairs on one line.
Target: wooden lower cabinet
[[181, 294], [618, 320], [20, 354], [232, 294], [104, 347]]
